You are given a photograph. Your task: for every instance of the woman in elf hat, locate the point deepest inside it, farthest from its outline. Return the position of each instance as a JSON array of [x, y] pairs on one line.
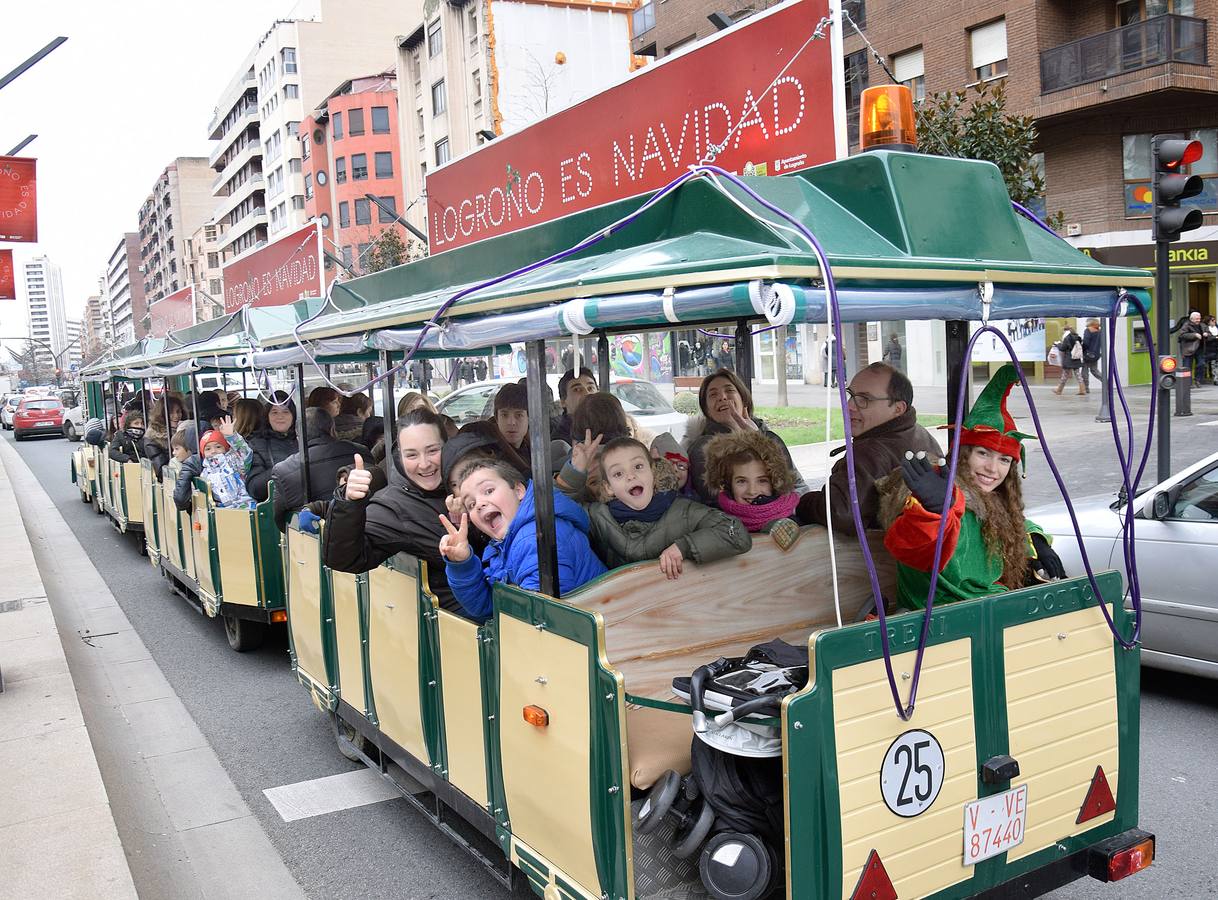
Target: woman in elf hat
[[988, 545]]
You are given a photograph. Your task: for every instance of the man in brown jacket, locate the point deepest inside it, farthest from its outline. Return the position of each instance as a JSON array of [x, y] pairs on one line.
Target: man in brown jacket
[[884, 425]]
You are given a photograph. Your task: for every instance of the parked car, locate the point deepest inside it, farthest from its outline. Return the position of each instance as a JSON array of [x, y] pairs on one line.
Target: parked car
[[38, 415], [74, 421], [1176, 542], [10, 406], [639, 399]]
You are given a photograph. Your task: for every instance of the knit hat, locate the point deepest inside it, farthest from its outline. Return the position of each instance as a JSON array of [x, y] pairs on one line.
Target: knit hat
[[667, 447], [213, 437], [988, 424]]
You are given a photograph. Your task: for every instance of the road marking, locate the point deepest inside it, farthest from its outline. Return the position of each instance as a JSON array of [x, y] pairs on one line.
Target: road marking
[[306, 799]]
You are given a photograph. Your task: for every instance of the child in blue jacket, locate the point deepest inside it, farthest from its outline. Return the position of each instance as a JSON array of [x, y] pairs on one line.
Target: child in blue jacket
[[500, 504]]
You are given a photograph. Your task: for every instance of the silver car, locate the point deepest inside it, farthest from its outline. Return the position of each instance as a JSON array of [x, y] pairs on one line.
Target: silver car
[[1176, 543]]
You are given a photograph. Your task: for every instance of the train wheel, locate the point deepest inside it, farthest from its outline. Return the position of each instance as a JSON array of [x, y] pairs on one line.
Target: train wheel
[[350, 742], [243, 634]]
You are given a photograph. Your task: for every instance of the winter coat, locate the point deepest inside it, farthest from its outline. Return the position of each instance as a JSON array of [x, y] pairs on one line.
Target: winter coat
[[876, 453], [192, 468], [326, 457], [514, 559], [1066, 347], [1093, 345], [1191, 337], [225, 475], [270, 448], [697, 459], [702, 534], [157, 453], [348, 427], [125, 449]]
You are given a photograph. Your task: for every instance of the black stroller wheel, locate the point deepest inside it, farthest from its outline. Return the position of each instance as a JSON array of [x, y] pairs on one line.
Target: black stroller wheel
[[693, 831], [659, 802], [736, 866]]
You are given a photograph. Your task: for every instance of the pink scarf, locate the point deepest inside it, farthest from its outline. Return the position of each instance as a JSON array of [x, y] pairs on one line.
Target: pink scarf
[[756, 517]]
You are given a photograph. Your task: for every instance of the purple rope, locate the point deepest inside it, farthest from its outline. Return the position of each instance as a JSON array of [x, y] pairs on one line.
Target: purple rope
[[1031, 216]]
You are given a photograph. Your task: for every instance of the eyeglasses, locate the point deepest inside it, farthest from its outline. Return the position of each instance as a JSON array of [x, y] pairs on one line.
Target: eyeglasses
[[862, 401]]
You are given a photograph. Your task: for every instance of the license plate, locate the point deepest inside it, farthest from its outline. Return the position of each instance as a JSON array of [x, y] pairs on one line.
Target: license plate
[[43, 424], [995, 824]]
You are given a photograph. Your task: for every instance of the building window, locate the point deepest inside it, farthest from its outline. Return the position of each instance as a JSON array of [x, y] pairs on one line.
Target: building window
[[340, 170], [298, 202], [857, 10], [416, 70], [308, 181], [438, 98], [359, 166], [363, 251], [988, 44], [355, 121], [336, 125], [856, 83], [213, 287], [435, 40], [643, 19], [380, 120], [291, 92], [293, 129], [387, 209], [419, 123], [213, 260], [473, 26], [1137, 172], [363, 212], [347, 259], [384, 164], [344, 214], [909, 70], [443, 154], [294, 164], [289, 60]]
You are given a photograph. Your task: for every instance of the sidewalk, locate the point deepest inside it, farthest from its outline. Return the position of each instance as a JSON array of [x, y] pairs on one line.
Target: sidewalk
[[57, 832]]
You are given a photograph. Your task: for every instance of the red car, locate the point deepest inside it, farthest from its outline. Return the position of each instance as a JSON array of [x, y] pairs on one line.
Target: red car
[[38, 415]]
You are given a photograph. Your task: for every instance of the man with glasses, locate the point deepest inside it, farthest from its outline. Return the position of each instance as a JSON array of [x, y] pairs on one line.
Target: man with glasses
[[884, 425]]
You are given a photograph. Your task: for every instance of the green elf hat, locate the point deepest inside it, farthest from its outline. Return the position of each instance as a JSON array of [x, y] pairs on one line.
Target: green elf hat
[[988, 423]]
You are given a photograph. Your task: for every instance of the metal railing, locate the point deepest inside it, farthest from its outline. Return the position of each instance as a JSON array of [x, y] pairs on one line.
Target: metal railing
[[643, 19], [1155, 41]]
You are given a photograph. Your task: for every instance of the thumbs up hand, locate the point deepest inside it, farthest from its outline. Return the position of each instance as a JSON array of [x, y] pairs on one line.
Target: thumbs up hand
[[358, 481]]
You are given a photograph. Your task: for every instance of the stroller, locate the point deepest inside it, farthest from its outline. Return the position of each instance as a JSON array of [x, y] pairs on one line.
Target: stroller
[[730, 805]]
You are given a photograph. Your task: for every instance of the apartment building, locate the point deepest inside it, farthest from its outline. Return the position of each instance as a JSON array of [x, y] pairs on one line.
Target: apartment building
[[465, 77], [204, 270], [350, 149], [178, 205], [73, 354], [43, 284], [661, 27], [123, 291], [96, 329], [258, 187]]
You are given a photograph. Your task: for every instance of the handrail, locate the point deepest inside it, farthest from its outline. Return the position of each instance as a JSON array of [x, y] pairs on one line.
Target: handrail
[[1140, 45]]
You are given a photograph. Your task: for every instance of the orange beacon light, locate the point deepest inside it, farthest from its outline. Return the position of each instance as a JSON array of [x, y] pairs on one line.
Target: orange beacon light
[[887, 119]]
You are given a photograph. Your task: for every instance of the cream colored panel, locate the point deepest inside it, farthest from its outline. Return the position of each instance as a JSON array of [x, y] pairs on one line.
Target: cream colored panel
[[350, 646], [1062, 716], [186, 526], [393, 657], [200, 531], [464, 713], [235, 547], [148, 498], [134, 490], [304, 602], [922, 854], [549, 803], [170, 522]]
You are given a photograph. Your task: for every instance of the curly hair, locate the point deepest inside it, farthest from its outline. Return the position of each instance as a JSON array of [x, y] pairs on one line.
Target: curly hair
[[726, 451], [1003, 526]]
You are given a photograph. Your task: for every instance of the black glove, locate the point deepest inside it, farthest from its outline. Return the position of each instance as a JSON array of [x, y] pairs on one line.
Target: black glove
[[926, 482], [1048, 565]]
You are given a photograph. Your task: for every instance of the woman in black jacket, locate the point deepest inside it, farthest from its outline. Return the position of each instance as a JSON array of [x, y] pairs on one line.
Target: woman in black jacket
[[364, 529], [274, 442], [158, 432], [126, 445]]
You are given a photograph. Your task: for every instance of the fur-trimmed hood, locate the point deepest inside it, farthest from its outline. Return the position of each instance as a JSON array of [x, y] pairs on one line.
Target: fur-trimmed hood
[[894, 493], [725, 445]]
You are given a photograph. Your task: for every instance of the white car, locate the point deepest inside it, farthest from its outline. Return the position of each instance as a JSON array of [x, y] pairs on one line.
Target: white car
[[639, 399], [10, 406], [1176, 544]]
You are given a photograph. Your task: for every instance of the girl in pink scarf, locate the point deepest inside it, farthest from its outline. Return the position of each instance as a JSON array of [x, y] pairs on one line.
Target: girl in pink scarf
[[751, 477]]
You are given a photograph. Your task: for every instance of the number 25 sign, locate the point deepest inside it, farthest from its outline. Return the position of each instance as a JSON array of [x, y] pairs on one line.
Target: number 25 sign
[[912, 774]]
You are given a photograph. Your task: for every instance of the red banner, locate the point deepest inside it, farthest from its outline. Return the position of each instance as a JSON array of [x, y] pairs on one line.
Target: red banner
[[172, 312], [18, 200], [8, 280], [638, 136], [281, 272]]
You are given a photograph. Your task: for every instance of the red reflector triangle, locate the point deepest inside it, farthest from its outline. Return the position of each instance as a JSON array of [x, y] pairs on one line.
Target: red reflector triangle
[[1099, 798], [874, 883]]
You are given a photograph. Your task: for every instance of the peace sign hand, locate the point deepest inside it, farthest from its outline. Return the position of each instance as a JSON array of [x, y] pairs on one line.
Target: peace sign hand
[[454, 546], [583, 454]]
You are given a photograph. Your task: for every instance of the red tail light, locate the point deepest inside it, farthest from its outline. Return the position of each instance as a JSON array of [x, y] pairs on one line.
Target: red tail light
[[1131, 861]]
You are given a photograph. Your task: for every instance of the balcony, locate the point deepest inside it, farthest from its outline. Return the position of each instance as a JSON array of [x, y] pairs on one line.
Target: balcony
[[1154, 42]]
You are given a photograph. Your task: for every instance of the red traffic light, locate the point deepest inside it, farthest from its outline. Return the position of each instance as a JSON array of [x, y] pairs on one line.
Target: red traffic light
[[1167, 364], [1172, 153]]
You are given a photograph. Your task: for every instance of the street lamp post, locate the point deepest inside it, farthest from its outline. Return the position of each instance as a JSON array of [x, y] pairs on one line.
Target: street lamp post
[[55, 357], [390, 211]]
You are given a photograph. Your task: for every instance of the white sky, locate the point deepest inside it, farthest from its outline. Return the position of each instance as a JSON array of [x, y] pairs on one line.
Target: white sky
[[135, 86]]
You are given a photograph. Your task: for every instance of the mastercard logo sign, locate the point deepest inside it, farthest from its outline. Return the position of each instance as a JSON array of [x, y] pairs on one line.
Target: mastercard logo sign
[[1143, 194]]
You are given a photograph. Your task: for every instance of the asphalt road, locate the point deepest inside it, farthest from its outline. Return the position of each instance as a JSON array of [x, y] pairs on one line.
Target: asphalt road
[[267, 733]]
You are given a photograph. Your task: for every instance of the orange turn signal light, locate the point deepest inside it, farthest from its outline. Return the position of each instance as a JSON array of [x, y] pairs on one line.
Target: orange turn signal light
[[535, 715], [279, 615], [1167, 364], [887, 119], [1131, 861]]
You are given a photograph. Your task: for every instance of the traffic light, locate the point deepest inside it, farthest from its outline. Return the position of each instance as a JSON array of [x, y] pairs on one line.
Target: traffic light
[[1167, 372], [1171, 186]]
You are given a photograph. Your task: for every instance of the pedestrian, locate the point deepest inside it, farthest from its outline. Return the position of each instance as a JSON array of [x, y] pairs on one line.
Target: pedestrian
[[828, 361], [1093, 349], [1191, 337], [480, 369], [1070, 350], [893, 352], [1210, 349]]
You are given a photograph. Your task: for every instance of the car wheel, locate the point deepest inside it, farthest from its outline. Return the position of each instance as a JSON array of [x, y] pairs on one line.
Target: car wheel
[[244, 635], [69, 431], [17, 435]]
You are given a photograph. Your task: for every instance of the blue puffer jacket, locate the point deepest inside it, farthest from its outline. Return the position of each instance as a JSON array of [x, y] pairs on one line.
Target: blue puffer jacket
[[514, 559]]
